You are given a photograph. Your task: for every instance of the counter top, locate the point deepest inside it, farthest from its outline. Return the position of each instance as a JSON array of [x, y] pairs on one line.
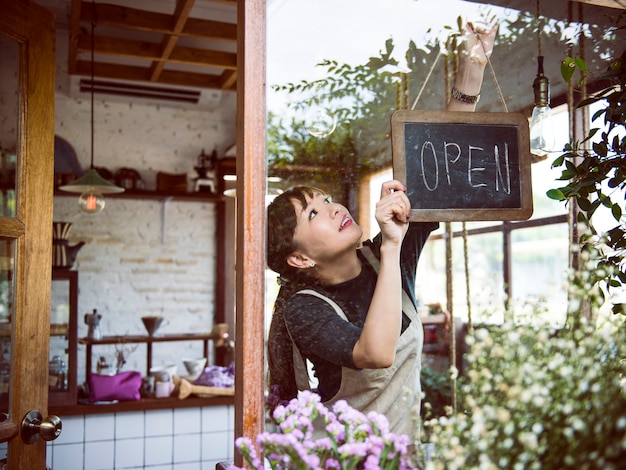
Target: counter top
[[140, 405]]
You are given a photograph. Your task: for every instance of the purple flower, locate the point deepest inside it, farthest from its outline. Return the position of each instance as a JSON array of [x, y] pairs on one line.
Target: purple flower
[[323, 443], [379, 422], [371, 463], [336, 430], [332, 463], [354, 449], [249, 452], [352, 440]]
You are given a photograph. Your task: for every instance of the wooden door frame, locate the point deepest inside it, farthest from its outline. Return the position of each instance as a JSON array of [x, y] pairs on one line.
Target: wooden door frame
[[33, 28], [250, 258]]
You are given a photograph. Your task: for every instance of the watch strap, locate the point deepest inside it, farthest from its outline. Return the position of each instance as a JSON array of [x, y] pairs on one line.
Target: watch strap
[[470, 99]]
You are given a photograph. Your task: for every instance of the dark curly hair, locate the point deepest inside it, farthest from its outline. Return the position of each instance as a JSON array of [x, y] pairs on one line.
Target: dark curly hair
[[281, 226]]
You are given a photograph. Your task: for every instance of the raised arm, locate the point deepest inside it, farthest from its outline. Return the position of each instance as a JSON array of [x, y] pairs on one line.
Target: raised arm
[[376, 346], [477, 47]]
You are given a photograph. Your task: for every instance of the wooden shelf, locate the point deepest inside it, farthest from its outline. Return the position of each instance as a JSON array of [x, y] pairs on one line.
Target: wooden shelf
[[140, 405], [158, 338], [217, 335], [156, 196]]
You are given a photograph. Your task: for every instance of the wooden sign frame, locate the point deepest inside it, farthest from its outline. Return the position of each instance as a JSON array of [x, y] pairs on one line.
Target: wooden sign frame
[[479, 164]]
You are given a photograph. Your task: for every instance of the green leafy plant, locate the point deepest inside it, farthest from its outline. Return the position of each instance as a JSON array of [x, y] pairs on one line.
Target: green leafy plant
[[595, 170], [437, 391]]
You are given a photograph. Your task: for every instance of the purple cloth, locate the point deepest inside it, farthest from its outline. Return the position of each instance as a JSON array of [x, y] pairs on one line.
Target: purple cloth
[[217, 376], [121, 387]]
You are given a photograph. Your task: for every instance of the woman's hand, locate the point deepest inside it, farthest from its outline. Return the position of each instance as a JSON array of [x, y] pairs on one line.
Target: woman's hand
[[478, 41], [475, 51], [393, 211]]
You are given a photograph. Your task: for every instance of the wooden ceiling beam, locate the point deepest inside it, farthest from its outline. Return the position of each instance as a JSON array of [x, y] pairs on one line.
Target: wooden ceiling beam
[[229, 80], [152, 52], [130, 18], [621, 4], [142, 74], [183, 10]]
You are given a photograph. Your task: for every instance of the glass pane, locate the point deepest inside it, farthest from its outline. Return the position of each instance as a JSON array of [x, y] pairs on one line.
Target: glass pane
[[539, 265], [7, 261], [9, 87], [486, 286], [59, 334]]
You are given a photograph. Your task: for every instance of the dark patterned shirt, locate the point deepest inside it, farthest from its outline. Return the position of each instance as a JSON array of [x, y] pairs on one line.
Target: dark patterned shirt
[[326, 339]]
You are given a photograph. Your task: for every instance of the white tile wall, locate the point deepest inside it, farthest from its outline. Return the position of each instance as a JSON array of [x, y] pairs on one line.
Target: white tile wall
[[179, 439]]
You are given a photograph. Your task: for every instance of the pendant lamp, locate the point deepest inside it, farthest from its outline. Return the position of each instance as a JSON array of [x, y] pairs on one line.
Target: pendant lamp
[[541, 127], [91, 185]]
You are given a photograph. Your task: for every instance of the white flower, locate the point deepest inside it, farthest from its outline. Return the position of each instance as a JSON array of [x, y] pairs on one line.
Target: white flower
[[528, 439], [504, 415]]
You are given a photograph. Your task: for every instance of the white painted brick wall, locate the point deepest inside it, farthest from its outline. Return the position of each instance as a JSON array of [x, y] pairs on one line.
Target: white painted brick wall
[[143, 257], [127, 270]]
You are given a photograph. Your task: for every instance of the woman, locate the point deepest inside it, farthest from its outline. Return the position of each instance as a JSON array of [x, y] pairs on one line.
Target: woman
[[349, 307]]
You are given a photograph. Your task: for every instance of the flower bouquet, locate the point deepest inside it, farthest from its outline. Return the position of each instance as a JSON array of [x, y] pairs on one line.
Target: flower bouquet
[[310, 436]]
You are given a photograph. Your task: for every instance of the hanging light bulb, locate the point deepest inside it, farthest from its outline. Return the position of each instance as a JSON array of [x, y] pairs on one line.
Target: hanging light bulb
[[91, 202], [541, 127], [91, 185]]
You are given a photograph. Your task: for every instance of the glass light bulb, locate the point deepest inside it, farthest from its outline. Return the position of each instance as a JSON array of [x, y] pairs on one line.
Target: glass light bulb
[[319, 122], [541, 131], [91, 201]]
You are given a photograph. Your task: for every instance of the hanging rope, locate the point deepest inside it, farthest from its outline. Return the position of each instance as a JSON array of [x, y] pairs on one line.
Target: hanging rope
[[430, 72], [449, 272], [467, 278], [491, 70]]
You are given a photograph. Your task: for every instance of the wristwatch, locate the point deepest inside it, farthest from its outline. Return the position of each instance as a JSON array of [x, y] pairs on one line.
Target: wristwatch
[[457, 95]]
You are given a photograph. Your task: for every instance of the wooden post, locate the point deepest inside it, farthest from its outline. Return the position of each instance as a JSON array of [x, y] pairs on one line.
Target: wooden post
[[251, 186]]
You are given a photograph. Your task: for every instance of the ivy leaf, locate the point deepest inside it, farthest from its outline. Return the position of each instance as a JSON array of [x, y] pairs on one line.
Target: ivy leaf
[[584, 204], [617, 212], [555, 194], [619, 309], [581, 64], [568, 67], [613, 182], [600, 148], [558, 161]]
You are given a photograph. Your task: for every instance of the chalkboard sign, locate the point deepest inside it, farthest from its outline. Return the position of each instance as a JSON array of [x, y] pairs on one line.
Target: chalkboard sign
[[461, 166]]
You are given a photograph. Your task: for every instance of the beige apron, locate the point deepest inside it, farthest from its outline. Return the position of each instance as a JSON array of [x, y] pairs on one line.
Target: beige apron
[[393, 391]]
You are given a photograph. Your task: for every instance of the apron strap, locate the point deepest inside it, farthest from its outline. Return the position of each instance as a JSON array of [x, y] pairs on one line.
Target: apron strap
[[299, 364], [408, 307]]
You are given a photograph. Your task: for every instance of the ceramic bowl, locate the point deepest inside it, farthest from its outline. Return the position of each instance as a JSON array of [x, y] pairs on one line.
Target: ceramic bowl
[[194, 366], [164, 373]]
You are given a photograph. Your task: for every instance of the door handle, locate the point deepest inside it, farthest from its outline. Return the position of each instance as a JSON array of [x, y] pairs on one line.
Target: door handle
[[33, 426]]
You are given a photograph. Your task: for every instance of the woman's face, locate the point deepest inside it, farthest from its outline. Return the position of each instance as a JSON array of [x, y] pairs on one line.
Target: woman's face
[[324, 229]]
